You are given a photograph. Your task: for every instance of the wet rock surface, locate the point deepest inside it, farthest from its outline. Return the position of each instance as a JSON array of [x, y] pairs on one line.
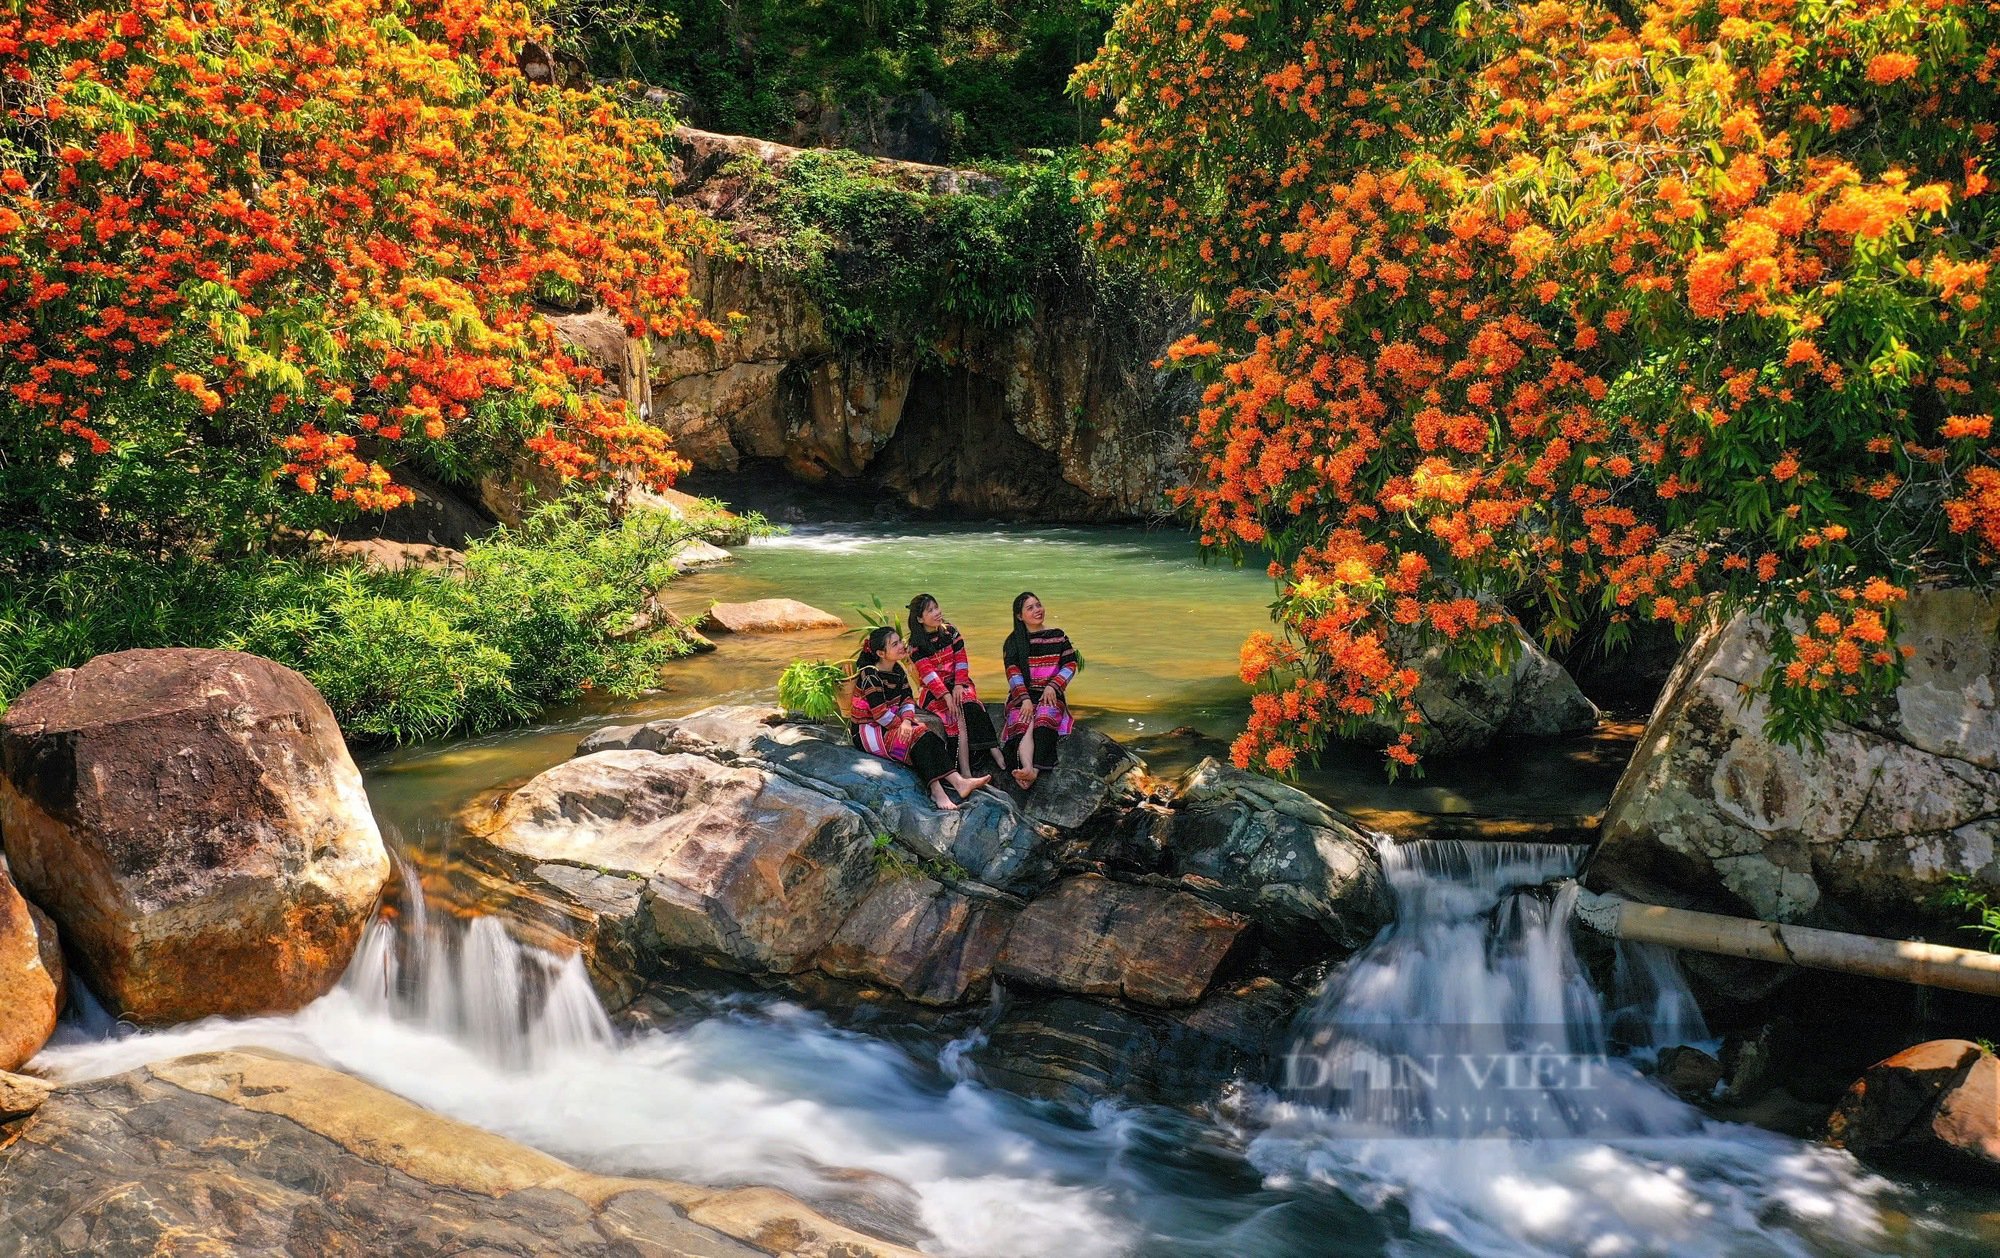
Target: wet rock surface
[[1138, 935], [256, 1152], [1933, 1107], [194, 824]]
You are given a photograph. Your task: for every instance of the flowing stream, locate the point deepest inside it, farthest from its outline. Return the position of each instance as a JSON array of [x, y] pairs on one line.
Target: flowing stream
[[1383, 1137]]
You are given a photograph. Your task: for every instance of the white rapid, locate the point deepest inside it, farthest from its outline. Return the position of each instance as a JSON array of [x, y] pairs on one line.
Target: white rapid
[[458, 1016], [1461, 1071]]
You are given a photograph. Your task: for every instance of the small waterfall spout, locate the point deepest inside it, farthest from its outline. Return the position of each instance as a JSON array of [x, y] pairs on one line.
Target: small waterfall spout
[[517, 1005], [1473, 1016]]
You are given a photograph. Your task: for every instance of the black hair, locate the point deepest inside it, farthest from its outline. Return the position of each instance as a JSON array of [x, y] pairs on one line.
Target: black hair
[[871, 646], [1016, 650], [920, 637]]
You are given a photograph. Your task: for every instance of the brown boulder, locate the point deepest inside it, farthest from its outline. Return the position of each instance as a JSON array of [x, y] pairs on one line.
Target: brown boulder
[[30, 993], [1935, 1106], [734, 865], [1094, 937], [934, 946], [769, 615], [194, 822]]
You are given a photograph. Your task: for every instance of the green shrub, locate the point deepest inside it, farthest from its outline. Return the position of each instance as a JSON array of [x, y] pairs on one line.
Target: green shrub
[[539, 615]]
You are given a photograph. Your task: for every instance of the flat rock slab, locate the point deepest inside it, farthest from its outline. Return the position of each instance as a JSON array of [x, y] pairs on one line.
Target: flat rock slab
[[769, 615], [1094, 937], [255, 1152], [990, 836]]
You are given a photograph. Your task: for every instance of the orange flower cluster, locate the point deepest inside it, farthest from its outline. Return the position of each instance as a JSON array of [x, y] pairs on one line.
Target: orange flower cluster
[[316, 233], [1616, 317]]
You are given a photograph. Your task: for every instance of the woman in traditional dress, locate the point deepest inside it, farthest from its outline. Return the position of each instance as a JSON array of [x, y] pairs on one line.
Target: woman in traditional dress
[[1040, 663], [886, 723], [944, 681]]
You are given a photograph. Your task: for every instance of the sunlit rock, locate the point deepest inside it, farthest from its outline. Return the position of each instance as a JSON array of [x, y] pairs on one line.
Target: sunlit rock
[[1933, 1107], [195, 825]]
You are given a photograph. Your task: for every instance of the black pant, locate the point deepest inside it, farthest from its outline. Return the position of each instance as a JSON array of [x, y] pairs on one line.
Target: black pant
[[974, 723], [1047, 743], [931, 757]]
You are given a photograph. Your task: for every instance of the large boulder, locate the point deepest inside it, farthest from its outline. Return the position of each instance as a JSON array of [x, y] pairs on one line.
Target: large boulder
[[255, 1152], [1861, 832], [735, 865], [194, 823], [1934, 1107], [1093, 937], [1469, 709], [1306, 874], [30, 991]]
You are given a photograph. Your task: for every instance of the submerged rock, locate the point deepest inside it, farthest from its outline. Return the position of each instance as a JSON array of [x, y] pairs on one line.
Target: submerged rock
[[769, 615], [30, 992], [1860, 833], [256, 1152], [193, 822], [1934, 1107]]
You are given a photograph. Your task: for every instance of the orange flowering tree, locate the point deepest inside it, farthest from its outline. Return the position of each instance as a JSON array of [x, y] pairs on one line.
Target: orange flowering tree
[[255, 255], [1627, 311]]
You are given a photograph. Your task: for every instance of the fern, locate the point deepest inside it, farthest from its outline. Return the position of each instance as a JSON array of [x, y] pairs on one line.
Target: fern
[[812, 688]]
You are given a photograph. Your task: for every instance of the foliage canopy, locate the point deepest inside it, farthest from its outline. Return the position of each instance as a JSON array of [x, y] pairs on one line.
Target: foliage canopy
[[1638, 310]]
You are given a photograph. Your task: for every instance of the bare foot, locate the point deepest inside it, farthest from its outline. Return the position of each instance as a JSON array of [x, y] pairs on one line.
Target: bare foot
[[942, 800], [966, 785], [1025, 778]]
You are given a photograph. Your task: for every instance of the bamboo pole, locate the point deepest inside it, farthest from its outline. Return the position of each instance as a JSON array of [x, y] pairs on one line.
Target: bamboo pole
[[1932, 965]]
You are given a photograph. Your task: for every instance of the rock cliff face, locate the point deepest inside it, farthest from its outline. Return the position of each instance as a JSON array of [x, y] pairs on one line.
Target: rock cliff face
[[1858, 834], [1151, 936], [1062, 417]]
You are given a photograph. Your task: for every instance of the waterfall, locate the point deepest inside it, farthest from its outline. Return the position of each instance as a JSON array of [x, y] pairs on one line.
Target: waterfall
[[1462, 1071], [474, 983], [1472, 1015]]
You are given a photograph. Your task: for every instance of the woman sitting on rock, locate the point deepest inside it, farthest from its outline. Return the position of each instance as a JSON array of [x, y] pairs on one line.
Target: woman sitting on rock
[[937, 650], [1040, 663], [886, 723]]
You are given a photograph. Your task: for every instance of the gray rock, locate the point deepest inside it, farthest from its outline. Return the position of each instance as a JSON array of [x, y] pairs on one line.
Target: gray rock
[[1094, 937], [1468, 709], [1859, 833], [1306, 874], [740, 866]]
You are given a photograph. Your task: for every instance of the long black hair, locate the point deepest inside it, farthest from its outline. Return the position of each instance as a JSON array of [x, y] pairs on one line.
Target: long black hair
[[871, 646], [920, 637], [1016, 650]]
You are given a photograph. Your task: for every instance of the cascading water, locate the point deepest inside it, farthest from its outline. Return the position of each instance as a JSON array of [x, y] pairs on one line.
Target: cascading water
[[460, 1017], [473, 983], [1460, 1071]]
